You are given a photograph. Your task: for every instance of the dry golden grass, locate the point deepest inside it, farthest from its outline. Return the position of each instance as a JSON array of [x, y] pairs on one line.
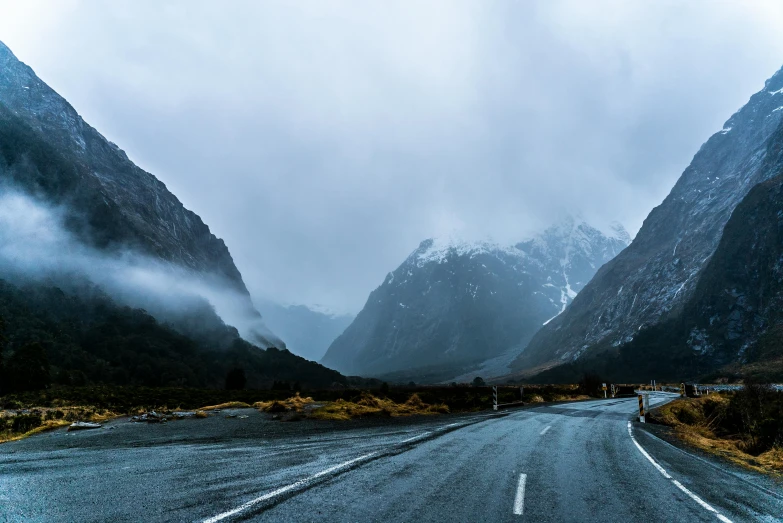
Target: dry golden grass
[[563, 397], [55, 418], [47, 425], [200, 414], [369, 405], [691, 425], [229, 405], [294, 403]]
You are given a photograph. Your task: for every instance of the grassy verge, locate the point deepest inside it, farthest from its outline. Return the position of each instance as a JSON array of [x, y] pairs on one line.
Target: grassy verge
[[227, 405], [16, 425], [293, 404], [726, 426], [28, 413], [369, 405], [7, 436]]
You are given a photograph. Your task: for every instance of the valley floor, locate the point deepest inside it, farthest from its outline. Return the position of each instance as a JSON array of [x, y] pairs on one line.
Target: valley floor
[[568, 462]]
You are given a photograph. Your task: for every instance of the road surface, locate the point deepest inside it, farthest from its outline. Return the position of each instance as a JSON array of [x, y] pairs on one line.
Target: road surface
[[578, 462]]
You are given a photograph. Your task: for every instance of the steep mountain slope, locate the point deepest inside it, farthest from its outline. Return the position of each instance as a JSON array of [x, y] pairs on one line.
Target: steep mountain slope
[[307, 332], [736, 313], [657, 274], [452, 305], [47, 150], [89, 338], [733, 322]]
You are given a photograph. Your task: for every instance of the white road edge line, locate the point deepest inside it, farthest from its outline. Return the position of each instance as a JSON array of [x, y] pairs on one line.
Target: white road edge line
[[287, 488], [414, 438], [519, 501], [676, 483], [545, 430]]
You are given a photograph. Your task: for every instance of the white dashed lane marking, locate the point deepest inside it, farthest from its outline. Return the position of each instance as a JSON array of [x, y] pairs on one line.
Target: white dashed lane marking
[[519, 501]]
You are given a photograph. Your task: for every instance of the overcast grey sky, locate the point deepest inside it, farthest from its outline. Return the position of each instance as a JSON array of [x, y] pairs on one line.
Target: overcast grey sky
[[324, 140]]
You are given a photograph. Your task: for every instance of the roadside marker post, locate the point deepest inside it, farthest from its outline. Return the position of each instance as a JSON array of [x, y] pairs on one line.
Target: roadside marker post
[[614, 391], [682, 390], [604, 389], [641, 408], [494, 397]]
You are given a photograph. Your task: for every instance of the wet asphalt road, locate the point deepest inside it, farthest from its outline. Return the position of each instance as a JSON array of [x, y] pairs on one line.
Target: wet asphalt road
[[567, 462]]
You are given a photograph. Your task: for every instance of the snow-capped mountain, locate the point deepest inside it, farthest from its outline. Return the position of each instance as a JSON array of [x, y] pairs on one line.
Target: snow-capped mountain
[[652, 279], [454, 304]]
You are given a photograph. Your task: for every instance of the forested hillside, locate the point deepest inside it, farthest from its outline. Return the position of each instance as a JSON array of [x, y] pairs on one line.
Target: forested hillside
[[82, 338]]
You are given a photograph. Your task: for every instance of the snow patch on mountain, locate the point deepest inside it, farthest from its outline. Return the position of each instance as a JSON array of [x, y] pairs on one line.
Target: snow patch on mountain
[[455, 302]]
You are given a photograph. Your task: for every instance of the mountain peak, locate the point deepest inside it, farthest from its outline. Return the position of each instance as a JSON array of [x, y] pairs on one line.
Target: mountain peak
[[619, 232], [456, 302], [439, 249]]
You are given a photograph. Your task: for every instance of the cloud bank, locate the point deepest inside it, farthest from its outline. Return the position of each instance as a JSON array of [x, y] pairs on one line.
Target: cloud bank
[[324, 140]]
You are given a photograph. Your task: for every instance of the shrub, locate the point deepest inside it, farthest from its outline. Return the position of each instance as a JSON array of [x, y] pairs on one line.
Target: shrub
[[756, 413], [26, 423]]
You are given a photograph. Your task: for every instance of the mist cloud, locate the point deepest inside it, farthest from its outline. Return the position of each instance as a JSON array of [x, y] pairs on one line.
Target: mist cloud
[[35, 245]]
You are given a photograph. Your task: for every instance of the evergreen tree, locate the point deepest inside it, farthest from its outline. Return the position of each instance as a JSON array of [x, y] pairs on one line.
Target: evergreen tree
[[3, 383], [235, 379], [28, 368]]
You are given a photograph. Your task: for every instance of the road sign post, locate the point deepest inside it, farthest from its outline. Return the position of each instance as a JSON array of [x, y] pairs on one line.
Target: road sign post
[[603, 387], [614, 391], [494, 397], [641, 408]]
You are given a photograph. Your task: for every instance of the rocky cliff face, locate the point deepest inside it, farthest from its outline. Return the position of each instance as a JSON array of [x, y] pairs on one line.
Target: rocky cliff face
[[46, 149], [732, 324], [453, 305], [655, 276], [736, 313]]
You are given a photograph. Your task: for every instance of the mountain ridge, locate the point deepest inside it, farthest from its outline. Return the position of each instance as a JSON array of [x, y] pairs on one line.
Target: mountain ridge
[[47, 150], [453, 304], [658, 272]]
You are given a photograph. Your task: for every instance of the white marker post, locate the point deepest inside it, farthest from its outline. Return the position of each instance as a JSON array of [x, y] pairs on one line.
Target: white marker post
[[682, 390], [641, 408], [604, 389], [614, 391], [494, 397]]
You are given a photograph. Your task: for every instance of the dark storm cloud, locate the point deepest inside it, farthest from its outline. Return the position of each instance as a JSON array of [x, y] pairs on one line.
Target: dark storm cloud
[[324, 140]]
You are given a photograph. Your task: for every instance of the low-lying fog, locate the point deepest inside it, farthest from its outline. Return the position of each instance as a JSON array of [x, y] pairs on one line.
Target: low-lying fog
[[35, 245]]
